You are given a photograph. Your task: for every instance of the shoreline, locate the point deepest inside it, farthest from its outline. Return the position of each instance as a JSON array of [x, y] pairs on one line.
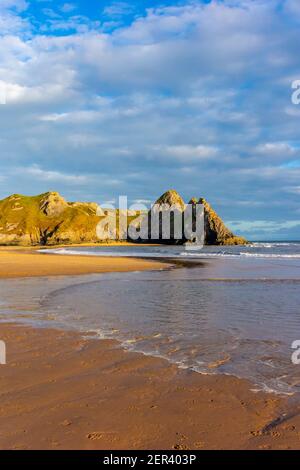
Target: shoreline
[[60, 390]]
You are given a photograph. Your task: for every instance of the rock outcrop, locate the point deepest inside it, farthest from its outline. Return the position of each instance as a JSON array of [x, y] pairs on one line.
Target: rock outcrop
[[168, 208], [48, 219], [171, 198], [53, 204], [216, 232]]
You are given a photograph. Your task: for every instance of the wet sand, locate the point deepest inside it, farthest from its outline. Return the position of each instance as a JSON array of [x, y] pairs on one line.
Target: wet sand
[[60, 391]]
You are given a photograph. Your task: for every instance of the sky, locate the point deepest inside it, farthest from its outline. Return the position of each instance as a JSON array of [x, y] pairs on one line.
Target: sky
[[109, 98]]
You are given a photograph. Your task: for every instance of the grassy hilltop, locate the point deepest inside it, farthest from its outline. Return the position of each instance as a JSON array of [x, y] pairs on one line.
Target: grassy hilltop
[[46, 219]]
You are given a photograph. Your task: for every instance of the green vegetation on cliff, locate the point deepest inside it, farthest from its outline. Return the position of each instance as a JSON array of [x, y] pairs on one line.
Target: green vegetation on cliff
[[46, 219]]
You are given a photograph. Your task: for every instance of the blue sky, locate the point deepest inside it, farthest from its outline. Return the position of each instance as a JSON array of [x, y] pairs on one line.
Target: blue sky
[[106, 98]]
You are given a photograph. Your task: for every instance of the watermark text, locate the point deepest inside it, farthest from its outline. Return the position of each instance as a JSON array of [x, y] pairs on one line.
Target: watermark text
[[296, 354], [2, 353], [296, 93], [163, 222]]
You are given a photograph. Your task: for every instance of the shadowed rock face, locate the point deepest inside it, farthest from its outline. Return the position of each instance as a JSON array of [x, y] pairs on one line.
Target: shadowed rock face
[[170, 203], [216, 232]]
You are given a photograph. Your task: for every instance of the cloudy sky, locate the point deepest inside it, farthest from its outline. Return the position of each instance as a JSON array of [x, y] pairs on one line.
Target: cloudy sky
[[111, 98]]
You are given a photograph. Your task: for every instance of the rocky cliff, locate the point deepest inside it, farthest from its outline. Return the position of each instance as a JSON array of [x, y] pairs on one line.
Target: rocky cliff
[[216, 232], [48, 219], [171, 198], [172, 203]]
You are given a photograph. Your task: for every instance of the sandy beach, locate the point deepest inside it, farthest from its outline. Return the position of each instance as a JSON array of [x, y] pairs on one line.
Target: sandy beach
[[28, 262], [62, 391]]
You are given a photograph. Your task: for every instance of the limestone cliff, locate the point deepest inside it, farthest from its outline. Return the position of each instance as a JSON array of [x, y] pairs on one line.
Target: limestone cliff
[[172, 205], [171, 198], [216, 232], [46, 219]]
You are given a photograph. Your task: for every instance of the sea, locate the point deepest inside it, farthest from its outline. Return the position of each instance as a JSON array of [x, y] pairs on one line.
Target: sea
[[217, 310]]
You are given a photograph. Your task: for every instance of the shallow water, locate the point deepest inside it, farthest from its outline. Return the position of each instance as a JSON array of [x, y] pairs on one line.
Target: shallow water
[[230, 314]]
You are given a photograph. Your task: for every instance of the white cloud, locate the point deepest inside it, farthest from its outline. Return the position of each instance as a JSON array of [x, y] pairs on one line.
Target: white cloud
[[10, 21], [293, 189], [142, 201], [68, 7], [18, 94], [53, 117], [52, 176], [187, 153], [274, 149], [118, 9], [18, 5], [51, 13]]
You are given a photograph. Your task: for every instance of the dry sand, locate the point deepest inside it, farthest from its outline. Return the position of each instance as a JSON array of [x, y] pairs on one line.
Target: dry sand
[[59, 391], [16, 262]]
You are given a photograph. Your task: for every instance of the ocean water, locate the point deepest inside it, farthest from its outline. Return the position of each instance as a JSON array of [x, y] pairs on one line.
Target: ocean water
[[228, 310], [281, 250]]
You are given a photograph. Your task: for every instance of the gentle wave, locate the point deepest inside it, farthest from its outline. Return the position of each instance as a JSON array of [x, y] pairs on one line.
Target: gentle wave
[[132, 254], [273, 244], [238, 255], [169, 254]]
